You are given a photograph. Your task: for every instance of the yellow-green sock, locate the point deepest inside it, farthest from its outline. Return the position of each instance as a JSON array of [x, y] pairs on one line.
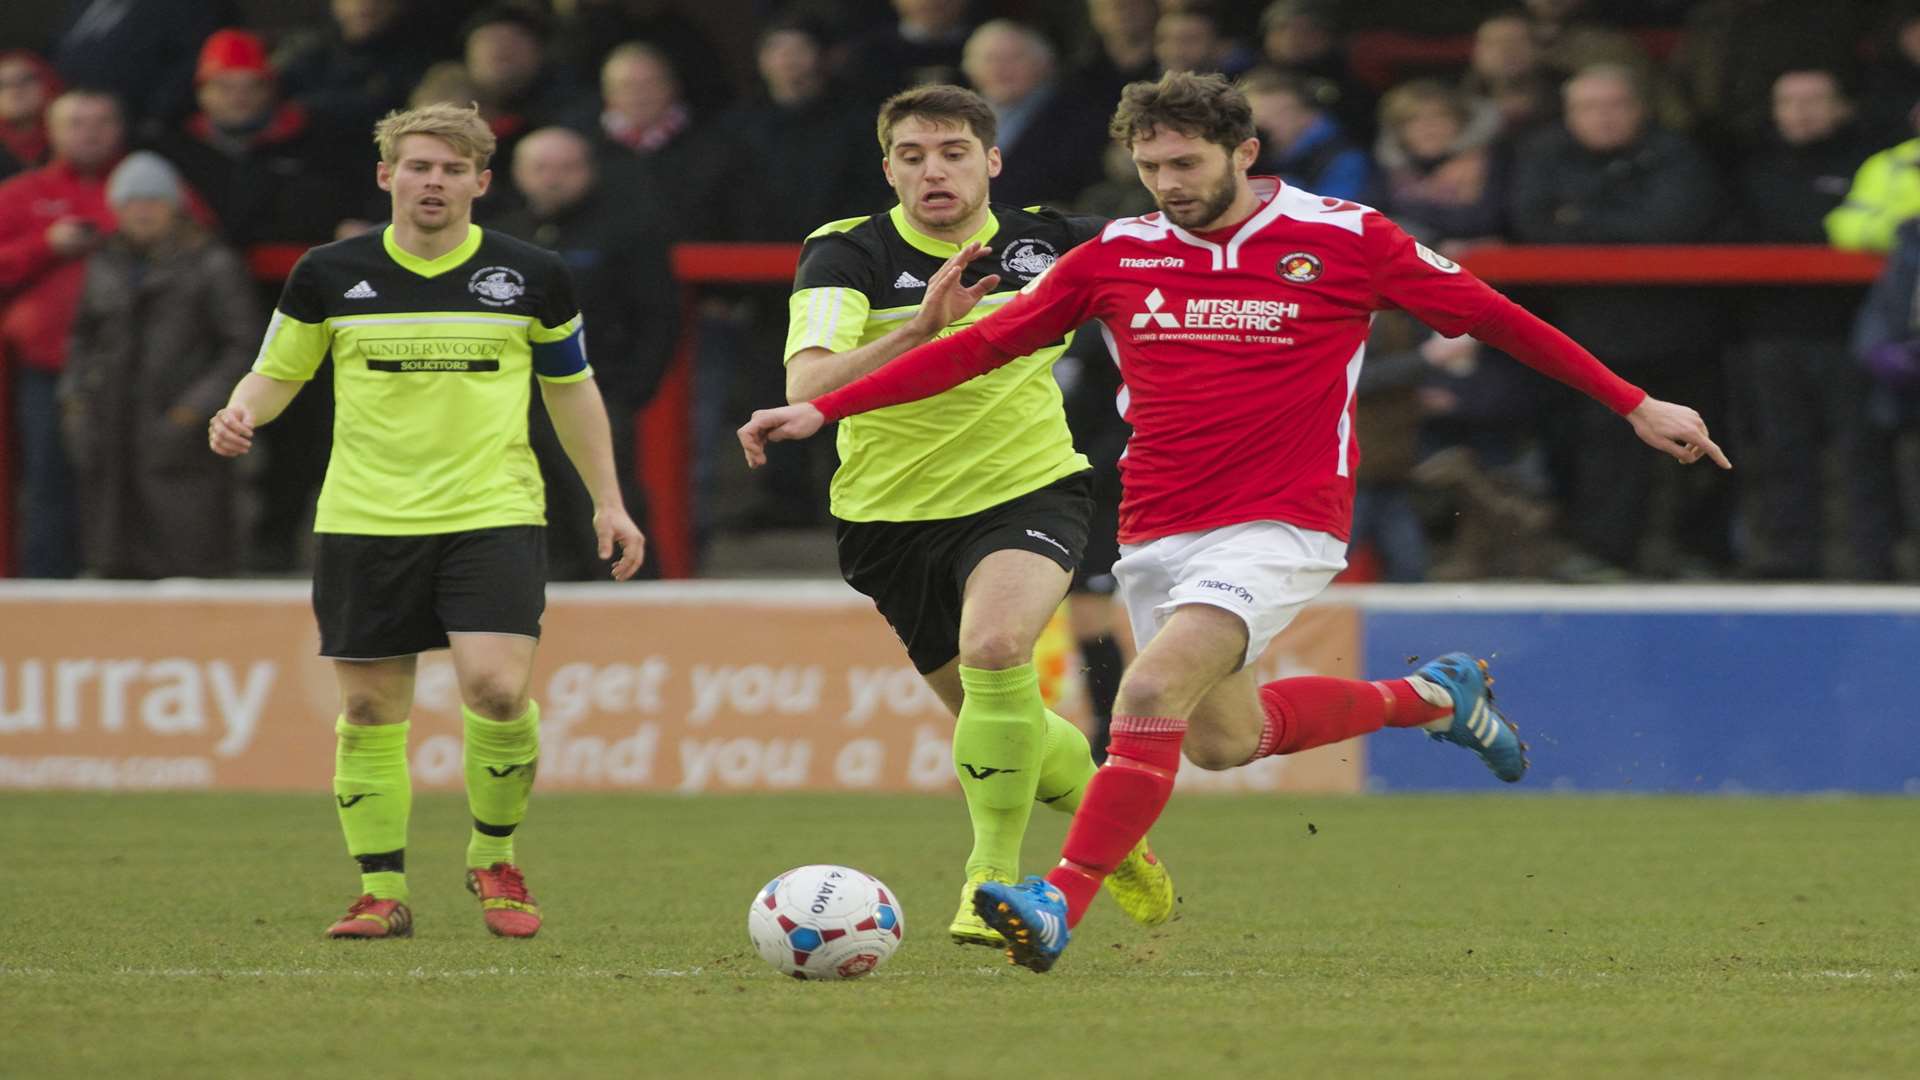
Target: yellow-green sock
[[375, 797], [996, 754], [501, 759], [1066, 766]]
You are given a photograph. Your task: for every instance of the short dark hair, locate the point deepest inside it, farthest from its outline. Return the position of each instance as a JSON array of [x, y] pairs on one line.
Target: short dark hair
[[1202, 106], [942, 104]]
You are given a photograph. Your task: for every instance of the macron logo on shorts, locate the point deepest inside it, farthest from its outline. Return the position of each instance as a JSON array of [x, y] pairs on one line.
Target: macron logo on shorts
[[1038, 535], [1236, 591]]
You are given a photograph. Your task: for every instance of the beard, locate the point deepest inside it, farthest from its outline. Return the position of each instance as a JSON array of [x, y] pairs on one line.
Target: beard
[[1206, 208]]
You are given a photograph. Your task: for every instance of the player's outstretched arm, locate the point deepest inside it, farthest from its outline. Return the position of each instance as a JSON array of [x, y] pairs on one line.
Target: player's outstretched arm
[[1676, 431], [580, 419], [777, 425], [255, 402], [816, 371]]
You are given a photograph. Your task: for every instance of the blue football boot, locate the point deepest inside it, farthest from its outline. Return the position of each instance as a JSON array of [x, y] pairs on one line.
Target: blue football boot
[[1032, 916], [1477, 724]]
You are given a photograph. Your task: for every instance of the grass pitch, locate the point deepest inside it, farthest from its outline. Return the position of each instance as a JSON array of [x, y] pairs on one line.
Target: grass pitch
[[152, 936]]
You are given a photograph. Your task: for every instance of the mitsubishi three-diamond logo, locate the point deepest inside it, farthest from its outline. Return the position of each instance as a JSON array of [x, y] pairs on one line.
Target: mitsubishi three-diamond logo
[[1154, 315]]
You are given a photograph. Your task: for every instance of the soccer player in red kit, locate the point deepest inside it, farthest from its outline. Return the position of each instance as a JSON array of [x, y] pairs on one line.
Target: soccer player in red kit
[[1239, 316]]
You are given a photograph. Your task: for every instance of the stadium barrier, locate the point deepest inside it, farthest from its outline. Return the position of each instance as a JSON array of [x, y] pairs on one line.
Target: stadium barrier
[[768, 686]]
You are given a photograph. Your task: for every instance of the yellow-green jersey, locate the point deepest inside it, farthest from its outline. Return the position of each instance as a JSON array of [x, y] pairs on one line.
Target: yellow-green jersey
[[986, 441], [431, 366]]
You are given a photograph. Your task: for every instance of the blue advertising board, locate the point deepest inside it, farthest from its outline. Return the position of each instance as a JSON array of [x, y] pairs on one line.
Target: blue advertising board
[[1700, 690]]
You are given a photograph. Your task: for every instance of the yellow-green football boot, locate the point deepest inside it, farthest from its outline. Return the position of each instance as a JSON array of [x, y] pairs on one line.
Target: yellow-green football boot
[[968, 927], [1142, 887]]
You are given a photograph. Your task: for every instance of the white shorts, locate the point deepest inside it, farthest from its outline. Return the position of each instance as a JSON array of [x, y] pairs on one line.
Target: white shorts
[[1262, 571]]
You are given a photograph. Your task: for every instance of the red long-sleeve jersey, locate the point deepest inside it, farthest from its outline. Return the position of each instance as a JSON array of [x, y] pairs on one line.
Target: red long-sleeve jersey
[[1240, 351]]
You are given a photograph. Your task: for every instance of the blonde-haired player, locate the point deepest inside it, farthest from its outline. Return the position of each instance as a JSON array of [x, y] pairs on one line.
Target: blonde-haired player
[[432, 519]]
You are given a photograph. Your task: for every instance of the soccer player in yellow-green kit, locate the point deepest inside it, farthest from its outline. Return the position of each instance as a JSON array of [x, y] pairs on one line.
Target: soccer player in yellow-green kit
[[432, 519], [962, 516]]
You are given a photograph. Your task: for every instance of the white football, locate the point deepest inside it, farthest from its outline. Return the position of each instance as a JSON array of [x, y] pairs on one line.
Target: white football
[[826, 922]]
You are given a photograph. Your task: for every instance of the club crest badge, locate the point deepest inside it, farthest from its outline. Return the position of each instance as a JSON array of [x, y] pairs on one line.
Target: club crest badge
[[497, 286], [1028, 258], [1300, 267]]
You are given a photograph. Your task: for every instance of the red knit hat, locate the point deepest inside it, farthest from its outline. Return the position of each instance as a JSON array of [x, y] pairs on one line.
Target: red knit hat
[[227, 51]]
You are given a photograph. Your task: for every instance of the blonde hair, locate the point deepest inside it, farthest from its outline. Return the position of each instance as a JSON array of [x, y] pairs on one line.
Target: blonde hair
[[460, 126]]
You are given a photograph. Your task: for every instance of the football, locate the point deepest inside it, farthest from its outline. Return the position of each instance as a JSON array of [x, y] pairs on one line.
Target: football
[[826, 922]]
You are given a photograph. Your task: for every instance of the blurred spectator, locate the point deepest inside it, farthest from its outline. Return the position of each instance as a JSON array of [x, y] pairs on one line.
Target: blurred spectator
[[141, 50], [589, 29], [1300, 141], [1732, 49], [1443, 181], [258, 160], [800, 127], [1884, 193], [165, 326], [1798, 393], [360, 66], [922, 46], [1506, 69], [518, 87], [1891, 84], [1120, 50], [273, 177], [1119, 193], [51, 218], [27, 84], [1571, 40], [628, 305], [1476, 407], [1050, 137], [1303, 37], [674, 172], [1886, 341], [1609, 175], [1387, 407], [1190, 37]]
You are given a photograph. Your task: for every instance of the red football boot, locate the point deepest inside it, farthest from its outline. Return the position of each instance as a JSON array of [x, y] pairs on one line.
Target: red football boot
[[505, 904], [370, 917]]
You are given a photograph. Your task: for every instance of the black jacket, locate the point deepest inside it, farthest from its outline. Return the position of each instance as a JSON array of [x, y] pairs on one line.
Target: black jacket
[[1660, 190], [802, 166], [1784, 194], [624, 286], [1058, 153]]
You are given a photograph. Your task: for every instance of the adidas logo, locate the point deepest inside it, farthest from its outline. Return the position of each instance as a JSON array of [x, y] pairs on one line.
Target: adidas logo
[[362, 291], [908, 281]]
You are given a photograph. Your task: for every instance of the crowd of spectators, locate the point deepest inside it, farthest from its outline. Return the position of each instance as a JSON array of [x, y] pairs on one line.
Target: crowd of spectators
[[161, 164]]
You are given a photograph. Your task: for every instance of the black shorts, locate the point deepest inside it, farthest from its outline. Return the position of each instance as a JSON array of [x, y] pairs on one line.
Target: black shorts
[[916, 571], [382, 596], [1095, 572]]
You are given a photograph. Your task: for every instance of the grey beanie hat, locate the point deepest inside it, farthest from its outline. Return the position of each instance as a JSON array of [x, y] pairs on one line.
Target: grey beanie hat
[[144, 175]]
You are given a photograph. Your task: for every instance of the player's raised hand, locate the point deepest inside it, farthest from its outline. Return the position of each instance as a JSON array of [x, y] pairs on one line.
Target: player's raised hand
[[946, 300], [613, 527], [777, 425], [1676, 431], [230, 432]]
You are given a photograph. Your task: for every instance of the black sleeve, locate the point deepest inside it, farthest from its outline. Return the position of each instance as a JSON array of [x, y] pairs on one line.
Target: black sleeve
[[558, 304], [303, 296], [834, 261]]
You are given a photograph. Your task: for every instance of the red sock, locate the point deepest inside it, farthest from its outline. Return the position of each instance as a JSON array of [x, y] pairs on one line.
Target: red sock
[[1313, 710], [1122, 802]]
